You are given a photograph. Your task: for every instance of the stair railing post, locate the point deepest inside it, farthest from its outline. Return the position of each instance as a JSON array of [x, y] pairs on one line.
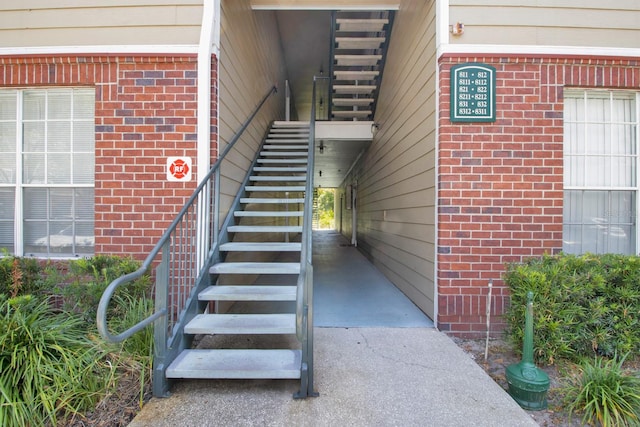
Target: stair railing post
[[216, 208], [304, 309], [287, 102], [160, 327], [309, 309], [286, 218], [332, 49]]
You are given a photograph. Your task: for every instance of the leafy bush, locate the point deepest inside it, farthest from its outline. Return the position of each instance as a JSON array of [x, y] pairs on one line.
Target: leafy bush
[[603, 392], [24, 276], [88, 278], [52, 364], [584, 305], [48, 365]]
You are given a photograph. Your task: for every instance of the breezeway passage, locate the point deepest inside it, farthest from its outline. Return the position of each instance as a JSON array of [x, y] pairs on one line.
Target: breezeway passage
[[351, 292]]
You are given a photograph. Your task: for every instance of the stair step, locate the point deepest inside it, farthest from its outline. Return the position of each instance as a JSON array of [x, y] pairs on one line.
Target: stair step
[[278, 188], [350, 102], [361, 25], [359, 42], [279, 169], [280, 323], [279, 141], [283, 161], [291, 123], [357, 60], [286, 147], [352, 113], [354, 89], [289, 130], [248, 293], [268, 213], [236, 364], [261, 246], [255, 268], [265, 228], [284, 153], [289, 136], [356, 75], [276, 200], [278, 178]]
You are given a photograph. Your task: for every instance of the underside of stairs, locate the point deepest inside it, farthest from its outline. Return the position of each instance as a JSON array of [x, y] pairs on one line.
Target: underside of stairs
[[253, 292]]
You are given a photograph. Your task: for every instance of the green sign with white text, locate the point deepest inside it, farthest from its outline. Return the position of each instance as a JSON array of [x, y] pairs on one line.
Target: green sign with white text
[[473, 93]]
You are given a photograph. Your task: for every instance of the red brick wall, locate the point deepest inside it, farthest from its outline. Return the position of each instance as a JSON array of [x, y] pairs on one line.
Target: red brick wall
[[145, 112], [500, 184]]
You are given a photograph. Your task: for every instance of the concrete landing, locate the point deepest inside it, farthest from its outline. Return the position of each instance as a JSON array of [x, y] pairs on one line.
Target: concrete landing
[[365, 376]]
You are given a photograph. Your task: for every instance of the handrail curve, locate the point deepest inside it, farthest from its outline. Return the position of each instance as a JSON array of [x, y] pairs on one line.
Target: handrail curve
[[101, 317]]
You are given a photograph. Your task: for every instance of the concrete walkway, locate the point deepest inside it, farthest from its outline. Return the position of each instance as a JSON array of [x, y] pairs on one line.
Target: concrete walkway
[[365, 377], [378, 362]]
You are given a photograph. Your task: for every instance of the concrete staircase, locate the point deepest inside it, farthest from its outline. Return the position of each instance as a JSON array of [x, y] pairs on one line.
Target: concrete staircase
[[267, 225]]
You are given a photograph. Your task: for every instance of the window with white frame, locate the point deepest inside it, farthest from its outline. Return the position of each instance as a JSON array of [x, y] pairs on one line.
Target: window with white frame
[[601, 171], [47, 140]]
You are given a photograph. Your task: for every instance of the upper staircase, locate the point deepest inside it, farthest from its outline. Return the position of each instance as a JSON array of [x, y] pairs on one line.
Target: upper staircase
[[267, 222], [358, 53]]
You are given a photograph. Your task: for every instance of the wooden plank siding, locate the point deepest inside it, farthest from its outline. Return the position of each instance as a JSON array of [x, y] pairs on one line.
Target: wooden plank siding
[[251, 62], [396, 178], [40, 23], [591, 23]]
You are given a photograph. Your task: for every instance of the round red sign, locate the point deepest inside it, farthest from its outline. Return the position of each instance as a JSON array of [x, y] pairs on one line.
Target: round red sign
[[179, 169]]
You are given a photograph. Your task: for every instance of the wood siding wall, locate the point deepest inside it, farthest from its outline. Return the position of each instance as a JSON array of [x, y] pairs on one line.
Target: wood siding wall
[[28, 23], [396, 177], [251, 62], [548, 22]]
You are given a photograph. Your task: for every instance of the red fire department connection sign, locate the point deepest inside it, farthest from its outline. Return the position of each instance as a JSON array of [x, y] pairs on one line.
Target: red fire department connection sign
[[179, 169]]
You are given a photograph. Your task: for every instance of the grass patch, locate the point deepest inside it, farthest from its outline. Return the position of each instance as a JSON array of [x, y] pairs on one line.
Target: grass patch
[[54, 368], [603, 391]]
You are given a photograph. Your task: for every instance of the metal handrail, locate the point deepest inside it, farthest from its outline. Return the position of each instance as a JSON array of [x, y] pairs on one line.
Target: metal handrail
[[304, 302], [181, 233]]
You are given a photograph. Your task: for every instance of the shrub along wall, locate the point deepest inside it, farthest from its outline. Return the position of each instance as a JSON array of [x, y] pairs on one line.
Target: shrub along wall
[[583, 305]]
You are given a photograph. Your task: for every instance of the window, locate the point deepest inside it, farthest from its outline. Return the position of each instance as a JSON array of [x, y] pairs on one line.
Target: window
[[600, 171], [47, 139]]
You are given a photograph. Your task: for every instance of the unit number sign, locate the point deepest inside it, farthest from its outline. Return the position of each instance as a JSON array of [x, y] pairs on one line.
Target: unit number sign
[[473, 93]]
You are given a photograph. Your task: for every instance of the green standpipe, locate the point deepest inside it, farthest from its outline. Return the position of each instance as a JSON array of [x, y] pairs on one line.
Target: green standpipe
[[528, 385]]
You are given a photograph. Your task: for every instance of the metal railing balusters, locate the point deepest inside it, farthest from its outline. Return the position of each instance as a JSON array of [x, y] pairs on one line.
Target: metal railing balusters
[[185, 249]]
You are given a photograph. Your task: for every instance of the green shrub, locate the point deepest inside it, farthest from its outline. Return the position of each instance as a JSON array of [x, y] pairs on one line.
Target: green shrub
[[89, 277], [604, 393], [48, 365], [24, 276], [135, 354], [52, 363], [584, 305]]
